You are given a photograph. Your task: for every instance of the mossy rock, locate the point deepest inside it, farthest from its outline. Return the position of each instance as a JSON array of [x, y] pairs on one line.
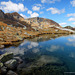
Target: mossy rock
[[1, 65], [5, 57]]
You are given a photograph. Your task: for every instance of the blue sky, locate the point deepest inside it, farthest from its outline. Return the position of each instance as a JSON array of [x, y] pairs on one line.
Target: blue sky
[[61, 11]]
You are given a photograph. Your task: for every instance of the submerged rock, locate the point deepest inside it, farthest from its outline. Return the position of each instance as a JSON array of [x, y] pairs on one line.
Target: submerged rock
[[18, 59], [11, 73], [4, 70], [5, 57], [1, 65], [11, 64]]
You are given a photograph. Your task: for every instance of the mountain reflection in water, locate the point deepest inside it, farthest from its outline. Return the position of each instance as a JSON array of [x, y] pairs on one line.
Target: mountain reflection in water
[[44, 55]]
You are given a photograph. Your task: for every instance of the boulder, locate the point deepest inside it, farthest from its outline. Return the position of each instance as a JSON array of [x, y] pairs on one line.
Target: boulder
[[4, 70], [1, 46], [11, 73], [18, 59], [11, 64], [5, 57], [1, 65]]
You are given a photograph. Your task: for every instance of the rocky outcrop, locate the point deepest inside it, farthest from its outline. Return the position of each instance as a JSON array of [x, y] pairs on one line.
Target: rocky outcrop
[[14, 16], [11, 64], [69, 27], [8, 63], [41, 22], [5, 57]]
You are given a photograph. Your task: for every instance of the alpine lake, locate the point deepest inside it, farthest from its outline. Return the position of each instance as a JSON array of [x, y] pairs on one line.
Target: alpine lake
[[48, 54]]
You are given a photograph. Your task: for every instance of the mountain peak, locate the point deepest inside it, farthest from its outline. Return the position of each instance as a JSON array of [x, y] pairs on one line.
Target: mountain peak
[[2, 15]]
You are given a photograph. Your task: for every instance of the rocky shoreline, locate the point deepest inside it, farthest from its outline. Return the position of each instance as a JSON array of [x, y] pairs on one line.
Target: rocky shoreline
[[9, 63]]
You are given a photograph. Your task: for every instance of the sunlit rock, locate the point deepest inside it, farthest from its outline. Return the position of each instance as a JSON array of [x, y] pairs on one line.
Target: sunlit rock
[[5, 57], [11, 64]]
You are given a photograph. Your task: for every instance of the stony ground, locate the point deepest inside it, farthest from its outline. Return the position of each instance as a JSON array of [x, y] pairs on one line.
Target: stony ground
[[10, 34]]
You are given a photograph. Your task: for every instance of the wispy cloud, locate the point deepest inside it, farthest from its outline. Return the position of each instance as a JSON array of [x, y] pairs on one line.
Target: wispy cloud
[[71, 19], [35, 8], [63, 23], [73, 23], [73, 3], [71, 14], [49, 1], [54, 48], [55, 10]]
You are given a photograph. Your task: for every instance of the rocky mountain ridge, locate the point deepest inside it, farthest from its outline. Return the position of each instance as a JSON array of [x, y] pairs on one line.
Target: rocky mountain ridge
[[14, 28]]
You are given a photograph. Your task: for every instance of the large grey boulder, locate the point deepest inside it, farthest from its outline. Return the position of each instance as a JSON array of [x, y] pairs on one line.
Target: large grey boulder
[[11, 64], [5, 57], [11, 73]]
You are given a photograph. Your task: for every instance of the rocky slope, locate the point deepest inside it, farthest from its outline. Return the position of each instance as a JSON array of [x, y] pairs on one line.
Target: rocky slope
[[14, 19], [41, 23], [14, 27], [69, 27]]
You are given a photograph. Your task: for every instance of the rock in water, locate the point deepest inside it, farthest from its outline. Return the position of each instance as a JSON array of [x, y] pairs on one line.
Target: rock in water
[[1, 65], [5, 57], [4, 70], [11, 64], [18, 59], [11, 73]]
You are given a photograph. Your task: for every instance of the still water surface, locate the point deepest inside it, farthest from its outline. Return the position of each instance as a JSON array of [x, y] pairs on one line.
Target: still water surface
[[55, 50]]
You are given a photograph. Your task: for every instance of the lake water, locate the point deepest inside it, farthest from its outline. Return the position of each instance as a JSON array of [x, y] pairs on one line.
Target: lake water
[[45, 55]]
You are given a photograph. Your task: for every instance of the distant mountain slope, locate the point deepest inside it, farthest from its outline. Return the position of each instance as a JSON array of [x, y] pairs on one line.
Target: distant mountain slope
[[69, 27], [41, 22]]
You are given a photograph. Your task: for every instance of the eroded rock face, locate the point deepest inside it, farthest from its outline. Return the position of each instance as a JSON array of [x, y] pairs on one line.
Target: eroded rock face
[[11, 64], [5, 57]]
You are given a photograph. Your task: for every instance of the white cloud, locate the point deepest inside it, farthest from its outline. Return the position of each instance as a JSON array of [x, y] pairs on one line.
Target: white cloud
[[22, 0], [49, 1], [70, 44], [23, 43], [41, 12], [71, 40], [73, 3], [34, 14], [16, 50], [10, 6], [32, 44], [55, 48], [38, 5], [63, 23], [29, 12], [24, 16], [71, 19], [73, 23], [56, 11], [35, 50], [72, 14], [36, 8], [72, 54]]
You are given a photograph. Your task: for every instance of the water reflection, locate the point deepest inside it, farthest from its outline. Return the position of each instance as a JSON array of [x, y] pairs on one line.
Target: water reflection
[[44, 65], [55, 48], [44, 51]]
